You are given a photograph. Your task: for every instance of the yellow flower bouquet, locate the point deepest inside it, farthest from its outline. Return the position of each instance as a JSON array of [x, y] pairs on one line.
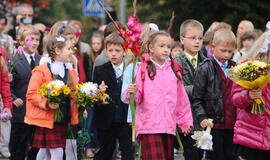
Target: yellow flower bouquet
[[86, 95], [252, 75], [55, 92]]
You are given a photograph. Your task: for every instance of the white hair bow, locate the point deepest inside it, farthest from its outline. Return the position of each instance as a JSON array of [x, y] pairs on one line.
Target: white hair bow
[[266, 42]]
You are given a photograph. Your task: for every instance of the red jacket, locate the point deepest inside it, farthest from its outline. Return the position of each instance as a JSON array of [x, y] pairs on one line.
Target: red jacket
[[251, 130], [4, 86]]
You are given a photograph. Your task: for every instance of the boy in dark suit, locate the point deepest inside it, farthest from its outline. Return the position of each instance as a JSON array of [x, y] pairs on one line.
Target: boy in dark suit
[[21, 72], [110, 119]]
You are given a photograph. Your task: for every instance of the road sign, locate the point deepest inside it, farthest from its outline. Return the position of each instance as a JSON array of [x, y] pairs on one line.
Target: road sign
[[92, 7]]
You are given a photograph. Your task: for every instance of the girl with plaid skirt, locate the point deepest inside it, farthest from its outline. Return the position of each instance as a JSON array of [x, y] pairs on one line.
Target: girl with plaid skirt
[[49, 135], [161, 99]]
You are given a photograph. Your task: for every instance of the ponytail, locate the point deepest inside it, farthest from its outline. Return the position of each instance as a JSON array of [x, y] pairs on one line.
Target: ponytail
[[3, 64]]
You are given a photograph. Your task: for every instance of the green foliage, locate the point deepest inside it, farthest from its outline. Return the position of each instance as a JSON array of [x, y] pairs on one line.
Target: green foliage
[[205, 11]]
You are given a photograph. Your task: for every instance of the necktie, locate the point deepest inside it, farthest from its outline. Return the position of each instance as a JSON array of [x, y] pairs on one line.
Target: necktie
[[193, 62], [224, 68], [32, 63], [118, 72]]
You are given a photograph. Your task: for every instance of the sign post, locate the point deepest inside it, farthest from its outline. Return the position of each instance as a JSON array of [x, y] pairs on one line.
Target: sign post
[[92, 7]]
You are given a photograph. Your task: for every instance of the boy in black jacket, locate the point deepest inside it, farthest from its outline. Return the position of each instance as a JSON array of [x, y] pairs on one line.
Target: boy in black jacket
[[110, 119], [212, 95]]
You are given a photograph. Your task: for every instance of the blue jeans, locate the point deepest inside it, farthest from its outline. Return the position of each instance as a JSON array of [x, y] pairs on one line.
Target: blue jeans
[[91, 130]]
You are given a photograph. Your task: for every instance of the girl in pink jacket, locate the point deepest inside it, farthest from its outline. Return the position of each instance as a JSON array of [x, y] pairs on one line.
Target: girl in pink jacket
[[161, 101], [252, 131]]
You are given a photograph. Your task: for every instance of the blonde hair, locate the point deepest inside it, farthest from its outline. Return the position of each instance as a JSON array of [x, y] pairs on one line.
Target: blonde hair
[[23, 32], [255, 54], [190, 23], [53, 42], [114, 38], [59, 28], [4, 68], [248, 26], [224, 36]]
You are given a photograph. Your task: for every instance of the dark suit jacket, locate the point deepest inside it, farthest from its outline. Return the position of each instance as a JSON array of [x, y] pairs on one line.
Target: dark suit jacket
[[189, 76], [21, 75], [104, 114]]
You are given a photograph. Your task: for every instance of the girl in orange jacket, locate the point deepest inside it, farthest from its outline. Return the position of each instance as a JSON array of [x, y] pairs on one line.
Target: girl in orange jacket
[[50, 136]]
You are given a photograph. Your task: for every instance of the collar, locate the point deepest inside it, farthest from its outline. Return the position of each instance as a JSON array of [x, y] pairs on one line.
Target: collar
[[190, 56], [121, 66], [161, 66], [58, 68], [27, 55], [219, 63]]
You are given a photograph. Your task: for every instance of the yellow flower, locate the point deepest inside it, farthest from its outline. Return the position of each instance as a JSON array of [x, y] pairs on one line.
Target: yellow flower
[[79, 86], [39, 91], [53, 93], [67, 91]]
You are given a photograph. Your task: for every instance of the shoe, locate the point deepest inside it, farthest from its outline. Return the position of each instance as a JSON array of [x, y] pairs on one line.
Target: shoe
[[6, 154]]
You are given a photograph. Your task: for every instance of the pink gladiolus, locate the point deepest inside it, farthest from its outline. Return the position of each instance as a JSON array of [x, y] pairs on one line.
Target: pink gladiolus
[[137, 36], [133, 38], [33, 36], [30, 44], [137, 28], [130, 46], [28, 38], [129, 33], [131, 21], [18, 37], [15, 42], [20, 50], [25, 28]]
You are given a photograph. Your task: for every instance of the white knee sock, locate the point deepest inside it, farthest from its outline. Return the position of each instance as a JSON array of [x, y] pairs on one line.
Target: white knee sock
[[43, 154], [56, 153]]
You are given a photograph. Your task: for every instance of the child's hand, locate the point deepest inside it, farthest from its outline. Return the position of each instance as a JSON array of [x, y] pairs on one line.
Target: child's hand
[[255, 93], [8, 111], [103, 87], [85, 113], [189, 129], [205, 123], [18, 102], [132, 88], [53, 105]]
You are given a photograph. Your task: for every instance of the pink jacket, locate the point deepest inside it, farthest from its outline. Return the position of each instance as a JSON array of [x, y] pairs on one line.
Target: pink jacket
[[251, 130], [162, 103]]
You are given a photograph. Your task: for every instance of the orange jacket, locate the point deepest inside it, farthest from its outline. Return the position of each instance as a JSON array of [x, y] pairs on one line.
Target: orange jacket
[[37, 111]]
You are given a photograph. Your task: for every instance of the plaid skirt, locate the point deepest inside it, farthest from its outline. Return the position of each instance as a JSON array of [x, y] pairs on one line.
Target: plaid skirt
[[50, 138], [157, 146]]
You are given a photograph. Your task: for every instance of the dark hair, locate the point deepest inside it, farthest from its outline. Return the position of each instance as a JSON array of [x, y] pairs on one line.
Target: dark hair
[[110, 28], [150, 65], [3, 16], [247, 35]]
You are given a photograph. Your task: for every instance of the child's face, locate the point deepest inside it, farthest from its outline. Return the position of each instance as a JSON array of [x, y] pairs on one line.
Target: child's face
[[64, 54], [96, 44], [161, 48], [192, 41], [72, 38], [2, 24], [247, 43], [223, 51], [176, 51], [240, 29], [31, 43], [115, 53]]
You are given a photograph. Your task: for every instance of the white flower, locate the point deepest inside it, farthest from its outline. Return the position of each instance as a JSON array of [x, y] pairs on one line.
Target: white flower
[[57, 84], [89, 88]]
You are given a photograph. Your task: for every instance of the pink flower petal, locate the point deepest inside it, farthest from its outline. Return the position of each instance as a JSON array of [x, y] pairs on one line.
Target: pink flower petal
[[28, 38], [20, 50], [131, 21], [15, 42]]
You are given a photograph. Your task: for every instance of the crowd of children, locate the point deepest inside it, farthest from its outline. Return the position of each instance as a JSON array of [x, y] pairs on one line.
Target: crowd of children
[[180, 84]]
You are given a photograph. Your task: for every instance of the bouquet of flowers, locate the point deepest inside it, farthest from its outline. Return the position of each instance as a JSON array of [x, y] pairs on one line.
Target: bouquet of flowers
[[55, 91], [87, 94], [252, 75]]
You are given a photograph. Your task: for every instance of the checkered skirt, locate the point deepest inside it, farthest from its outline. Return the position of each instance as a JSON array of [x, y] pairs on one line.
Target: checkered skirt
[[157, 146], [50, 138]]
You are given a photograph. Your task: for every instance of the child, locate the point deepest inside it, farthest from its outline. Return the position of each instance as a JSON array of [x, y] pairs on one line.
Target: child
[[161, 101], [50, 136], [211, 95], [7, 103], [96, 45], [246, 42], [191, 33], [21, 72], [244, 26], [110, 119], [176, 49], [251, 131]]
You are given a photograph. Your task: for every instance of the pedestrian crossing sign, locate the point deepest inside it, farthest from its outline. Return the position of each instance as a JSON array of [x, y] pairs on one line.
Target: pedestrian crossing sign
[[92, 7]]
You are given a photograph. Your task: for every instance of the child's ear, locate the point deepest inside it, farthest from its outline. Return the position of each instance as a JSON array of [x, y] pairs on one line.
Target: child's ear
[[57, 50], [213, 46], [150, 46], [181, 39]]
